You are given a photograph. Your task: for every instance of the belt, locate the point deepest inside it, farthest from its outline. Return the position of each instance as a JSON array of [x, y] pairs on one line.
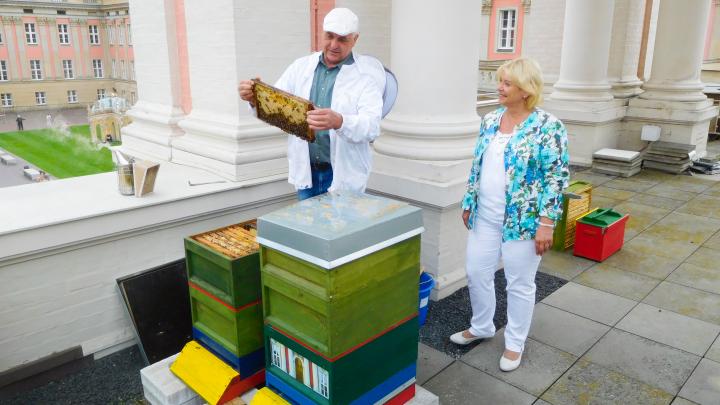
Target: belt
[[322, 166]]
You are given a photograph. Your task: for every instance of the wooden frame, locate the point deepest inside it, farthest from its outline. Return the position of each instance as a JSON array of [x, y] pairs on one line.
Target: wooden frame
[[283, 110]]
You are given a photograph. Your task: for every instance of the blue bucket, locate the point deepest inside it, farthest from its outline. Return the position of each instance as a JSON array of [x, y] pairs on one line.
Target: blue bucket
[[426, 285]]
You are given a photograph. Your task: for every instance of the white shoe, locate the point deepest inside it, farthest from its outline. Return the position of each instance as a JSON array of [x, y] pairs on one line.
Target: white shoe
[[461, 340], [509, 365]]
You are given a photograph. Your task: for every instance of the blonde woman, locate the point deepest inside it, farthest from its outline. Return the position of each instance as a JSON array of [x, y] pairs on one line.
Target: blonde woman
[[513, 198]]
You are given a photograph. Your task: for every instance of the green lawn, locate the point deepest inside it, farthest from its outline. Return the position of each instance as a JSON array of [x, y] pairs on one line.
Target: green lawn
[[60, 155]]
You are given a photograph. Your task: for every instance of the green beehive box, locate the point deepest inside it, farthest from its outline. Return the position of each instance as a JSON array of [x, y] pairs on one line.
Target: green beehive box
[[237, 330], [225, 263], [349, 377], [577, 198], [337, 270]]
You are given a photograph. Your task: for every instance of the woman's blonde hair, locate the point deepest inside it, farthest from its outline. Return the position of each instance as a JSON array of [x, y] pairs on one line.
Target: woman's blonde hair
[[525, 73]]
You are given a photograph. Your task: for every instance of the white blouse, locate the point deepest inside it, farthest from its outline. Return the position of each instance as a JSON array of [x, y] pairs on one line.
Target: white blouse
[[491, 193]]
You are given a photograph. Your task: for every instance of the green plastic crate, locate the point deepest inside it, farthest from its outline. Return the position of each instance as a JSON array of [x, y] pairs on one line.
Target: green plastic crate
[[235, 281], [238, 330], [350, 376], [335, 310]]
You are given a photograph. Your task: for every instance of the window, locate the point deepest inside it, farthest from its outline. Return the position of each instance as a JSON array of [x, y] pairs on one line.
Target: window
[[40, 98], [132, 97], [323, 383], [68, 69], [129, 35], [94, 34], [63, 34], [506, 30], [61, 12], [72, 96], [3, 71], [100, 94], [132, 70], [113, 70], [110, 34], [6, 99], [97, 68], [27, 10], [123, 72], [30, 34], [35, 70], [1, 37], [121, 35]]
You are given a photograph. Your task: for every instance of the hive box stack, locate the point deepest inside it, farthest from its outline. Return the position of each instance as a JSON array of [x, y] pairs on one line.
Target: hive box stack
[[224, 278], [669, 157], [617, 162], [340, 280]]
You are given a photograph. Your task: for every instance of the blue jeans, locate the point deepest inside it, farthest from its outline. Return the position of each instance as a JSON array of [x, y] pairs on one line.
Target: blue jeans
[[321, 181]]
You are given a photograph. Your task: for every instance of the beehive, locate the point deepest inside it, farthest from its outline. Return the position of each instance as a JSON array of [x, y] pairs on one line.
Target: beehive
[[338, 270], [283, 110], [382, 367], [573, 208], [225, 262]]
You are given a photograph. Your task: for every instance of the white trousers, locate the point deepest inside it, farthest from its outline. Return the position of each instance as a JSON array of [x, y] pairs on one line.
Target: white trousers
[[484, 249]]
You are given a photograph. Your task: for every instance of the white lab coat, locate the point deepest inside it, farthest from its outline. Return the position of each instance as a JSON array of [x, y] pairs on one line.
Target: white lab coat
[[357, 95]]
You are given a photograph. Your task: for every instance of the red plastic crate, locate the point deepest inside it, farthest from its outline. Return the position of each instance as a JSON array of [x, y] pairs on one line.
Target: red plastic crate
[[598, 243]]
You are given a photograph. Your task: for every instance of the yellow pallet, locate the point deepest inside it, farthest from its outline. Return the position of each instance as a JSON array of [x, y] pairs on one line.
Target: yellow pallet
[[212, 379], [265, 396]]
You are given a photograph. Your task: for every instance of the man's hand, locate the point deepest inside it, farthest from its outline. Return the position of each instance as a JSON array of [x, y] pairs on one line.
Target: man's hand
[[543, 237], [245, 89], [324, 118], [466, 218]]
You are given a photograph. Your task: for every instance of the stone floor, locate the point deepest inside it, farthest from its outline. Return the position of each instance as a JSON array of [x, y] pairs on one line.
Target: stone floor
[[640, 328]]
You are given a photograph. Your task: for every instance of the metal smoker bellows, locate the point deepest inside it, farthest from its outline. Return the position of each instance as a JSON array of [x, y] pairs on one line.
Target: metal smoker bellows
[[125, 173]]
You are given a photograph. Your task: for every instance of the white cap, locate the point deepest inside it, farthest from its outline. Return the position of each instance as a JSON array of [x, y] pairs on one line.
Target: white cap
[[341, 21]]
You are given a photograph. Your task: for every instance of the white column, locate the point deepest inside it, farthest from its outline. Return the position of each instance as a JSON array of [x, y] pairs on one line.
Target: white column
[[157, 112], [581, 97], [625, 48], [681, 30], [246, 42], [585, 52], [423, 154]]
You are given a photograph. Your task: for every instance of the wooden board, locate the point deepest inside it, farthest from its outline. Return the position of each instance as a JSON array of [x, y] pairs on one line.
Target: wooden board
[[283, 110], [158, 303]]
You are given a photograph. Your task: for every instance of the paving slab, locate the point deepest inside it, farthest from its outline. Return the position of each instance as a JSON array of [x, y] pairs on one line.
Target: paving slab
[[684, 227], [614, 193], [714, 352], [541, 364], [686, 301], [656, 201], [461, 384], [653, 363], [713, 242], [430, 362], [564, 264], [653, 175], [702, 205], [595, 179], [669, 191], [646, 264], [682, 401], [590, 303], [616, 281], [652, 245], [705, 257], [703, 387], [588, 383], [633, 184], [604, 202], [565, 331], [704, 278], [541, 402], [689, 183], [641, 216], [679, 331]]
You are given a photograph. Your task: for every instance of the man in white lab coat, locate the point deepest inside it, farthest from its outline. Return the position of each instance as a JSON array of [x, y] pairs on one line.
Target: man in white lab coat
[[346, 89]]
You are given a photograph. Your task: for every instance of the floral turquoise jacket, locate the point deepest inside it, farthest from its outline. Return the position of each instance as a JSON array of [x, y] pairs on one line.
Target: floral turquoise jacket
[[536, 172]]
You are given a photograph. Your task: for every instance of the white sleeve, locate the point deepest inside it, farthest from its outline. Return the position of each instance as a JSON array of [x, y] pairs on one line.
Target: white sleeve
[[364, 126]]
